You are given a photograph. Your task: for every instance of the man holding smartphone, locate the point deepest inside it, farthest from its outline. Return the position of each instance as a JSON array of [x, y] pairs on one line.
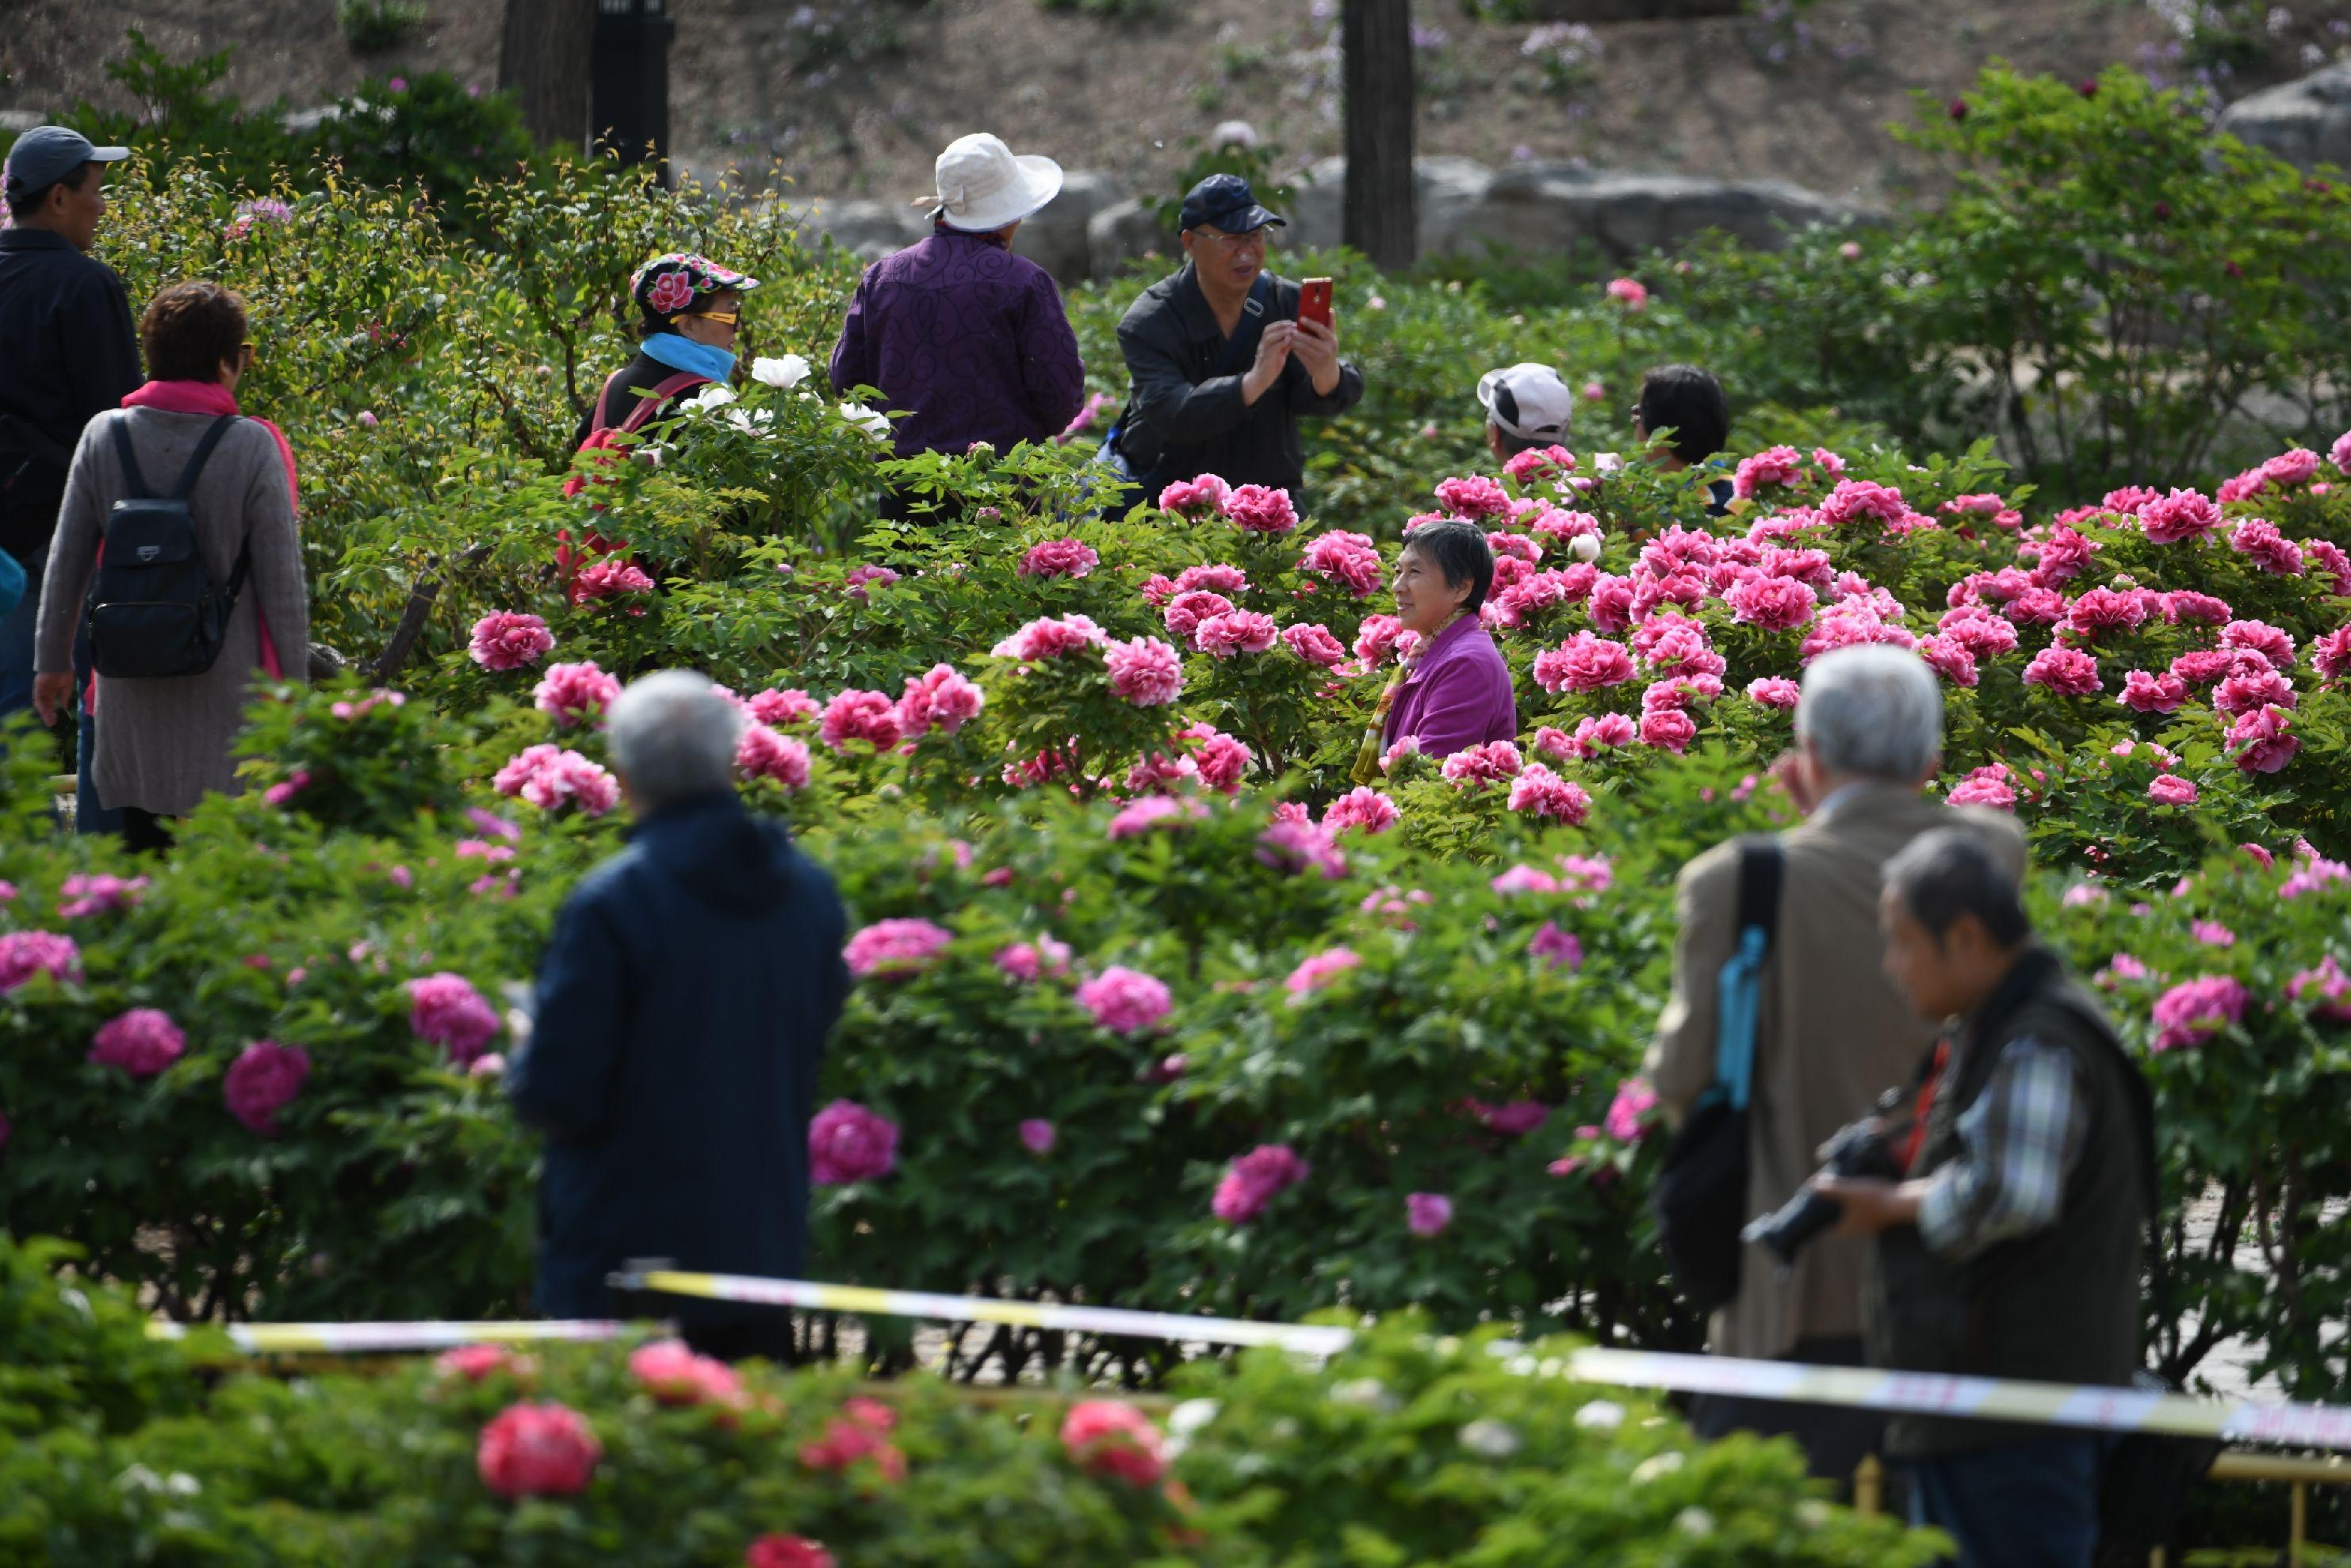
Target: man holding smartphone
[[1227, 358]]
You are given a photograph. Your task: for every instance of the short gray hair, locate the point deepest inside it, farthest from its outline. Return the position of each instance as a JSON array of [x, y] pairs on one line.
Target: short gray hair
[[673, 737], [1873, 710]]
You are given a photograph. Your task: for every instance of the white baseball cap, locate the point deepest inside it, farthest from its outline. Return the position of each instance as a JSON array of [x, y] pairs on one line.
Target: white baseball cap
[[984, 185], [1527, 400]]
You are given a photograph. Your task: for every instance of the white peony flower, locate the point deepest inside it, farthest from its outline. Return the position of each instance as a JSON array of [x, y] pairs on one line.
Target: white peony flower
[[1695, 1522], [1191, 1416], [1657, 1465], [1600, 1415], [750, 421], [782, 373], [1365, 1393], [1608, 463], [1584, 546], [876, 426], [718, 394], [1489, 1439], [1813, 1514]]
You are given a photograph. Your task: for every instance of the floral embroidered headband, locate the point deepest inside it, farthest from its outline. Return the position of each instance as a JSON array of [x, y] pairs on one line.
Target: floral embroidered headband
[[668, 284]]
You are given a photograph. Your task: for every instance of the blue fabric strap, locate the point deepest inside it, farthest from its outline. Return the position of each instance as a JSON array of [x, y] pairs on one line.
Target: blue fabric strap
[[1737, 992], [681, 353]]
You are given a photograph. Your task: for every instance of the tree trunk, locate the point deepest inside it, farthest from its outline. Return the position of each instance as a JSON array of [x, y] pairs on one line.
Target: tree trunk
[[544, 60], [1383, 217]]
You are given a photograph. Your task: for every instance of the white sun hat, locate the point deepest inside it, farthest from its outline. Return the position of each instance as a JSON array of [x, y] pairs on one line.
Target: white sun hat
[[984, 185]]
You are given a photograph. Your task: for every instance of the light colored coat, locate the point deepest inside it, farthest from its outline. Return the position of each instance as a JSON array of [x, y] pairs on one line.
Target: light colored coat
[[164, 744], [1832, 1034]]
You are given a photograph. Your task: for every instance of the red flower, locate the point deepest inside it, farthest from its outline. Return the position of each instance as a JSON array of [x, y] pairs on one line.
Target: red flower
[[785, 1552], [538, 1450]]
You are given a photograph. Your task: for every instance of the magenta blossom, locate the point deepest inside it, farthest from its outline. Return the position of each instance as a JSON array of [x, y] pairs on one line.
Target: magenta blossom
[[2066, 671], [1202, 497], [1319, 970], [573, 694], [762, 753], [1254, 1179], [893, 949], [141, 1042], [25, 953], [1539, 792], [1361, 807], [1234, 632], [1255, 509], [1124, 1000], [2170, 790], [1048, 637], [1427, 1214], [1625, 1119], [260, 1082], [1558, 949], [2264, 740], [1060, 558], [1145, 670], [1027, 961], [1474, 496], [97, 894], [941, 700], [1038, 1136], [848, 1142], [2328, 988], [445, 1010], [1583, 663], [2195, 1010], [552, 777], [1631, 293], [1313, 644], [507, 640], [855, 714]]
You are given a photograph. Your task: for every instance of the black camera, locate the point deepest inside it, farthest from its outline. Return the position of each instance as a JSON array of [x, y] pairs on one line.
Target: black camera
[[1859, 1150]]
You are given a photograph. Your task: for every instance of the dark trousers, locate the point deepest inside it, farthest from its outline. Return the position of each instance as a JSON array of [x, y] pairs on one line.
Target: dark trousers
[[1834, 1440], [2025, 1505], [768, 1337], [144, 832]]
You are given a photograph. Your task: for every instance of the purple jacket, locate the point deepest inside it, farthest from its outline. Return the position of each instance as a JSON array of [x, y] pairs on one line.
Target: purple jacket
[[1459, 697], [969, 337]]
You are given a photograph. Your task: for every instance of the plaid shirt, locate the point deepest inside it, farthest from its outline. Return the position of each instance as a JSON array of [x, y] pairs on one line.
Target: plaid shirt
[[2020, 1137]]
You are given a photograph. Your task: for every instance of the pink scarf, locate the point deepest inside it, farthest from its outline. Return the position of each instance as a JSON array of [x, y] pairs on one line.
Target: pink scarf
[[212, 398]]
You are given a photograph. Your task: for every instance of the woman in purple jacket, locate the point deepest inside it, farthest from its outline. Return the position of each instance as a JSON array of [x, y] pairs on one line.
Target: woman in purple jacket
[[966, 340], [1458, 693]]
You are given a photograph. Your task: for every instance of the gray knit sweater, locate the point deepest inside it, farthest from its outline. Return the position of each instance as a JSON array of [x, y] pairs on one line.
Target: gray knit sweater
[[164, 744]]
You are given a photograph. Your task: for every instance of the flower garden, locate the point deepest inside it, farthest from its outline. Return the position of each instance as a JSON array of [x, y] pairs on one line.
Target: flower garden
[[1157, 1006]]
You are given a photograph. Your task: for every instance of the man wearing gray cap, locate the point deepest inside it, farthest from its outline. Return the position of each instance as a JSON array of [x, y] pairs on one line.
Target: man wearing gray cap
[[68, 353]]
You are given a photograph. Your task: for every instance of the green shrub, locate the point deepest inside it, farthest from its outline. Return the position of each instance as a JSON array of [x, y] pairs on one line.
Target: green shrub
[[371, 27]]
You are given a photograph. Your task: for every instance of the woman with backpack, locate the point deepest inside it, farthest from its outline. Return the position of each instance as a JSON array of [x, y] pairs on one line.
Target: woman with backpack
[[689, 310], [177, 540]]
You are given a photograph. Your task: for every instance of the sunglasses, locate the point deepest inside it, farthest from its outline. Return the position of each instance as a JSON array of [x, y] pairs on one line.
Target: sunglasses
[[723, 318]]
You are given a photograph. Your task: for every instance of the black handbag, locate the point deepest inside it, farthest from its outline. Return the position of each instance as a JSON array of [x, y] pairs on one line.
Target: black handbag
[[1700, 1200]]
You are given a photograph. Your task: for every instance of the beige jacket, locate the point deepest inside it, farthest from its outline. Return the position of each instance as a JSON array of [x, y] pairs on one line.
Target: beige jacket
[[163, 745], [1832, 1034]]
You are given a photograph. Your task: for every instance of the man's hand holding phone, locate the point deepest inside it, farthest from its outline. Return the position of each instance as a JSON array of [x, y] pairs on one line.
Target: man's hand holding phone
[[1316, 341]]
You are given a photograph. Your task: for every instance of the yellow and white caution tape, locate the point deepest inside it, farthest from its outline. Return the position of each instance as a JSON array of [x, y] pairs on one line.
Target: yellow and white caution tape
[[1980, 1399], [286, 1339]]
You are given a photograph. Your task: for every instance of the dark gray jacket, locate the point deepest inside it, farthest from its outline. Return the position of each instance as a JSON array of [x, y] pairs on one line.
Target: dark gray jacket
[[68, 353], [1183, 419]]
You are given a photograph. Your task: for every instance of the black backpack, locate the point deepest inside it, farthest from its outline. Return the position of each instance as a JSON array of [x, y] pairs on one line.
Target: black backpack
[[1700, 1198], [154, 607]]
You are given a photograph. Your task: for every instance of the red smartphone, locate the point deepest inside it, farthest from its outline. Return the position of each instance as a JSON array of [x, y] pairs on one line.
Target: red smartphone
[[1314, 300]]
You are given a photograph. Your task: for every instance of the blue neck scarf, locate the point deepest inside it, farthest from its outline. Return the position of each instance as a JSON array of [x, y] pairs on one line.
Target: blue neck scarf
[[685, 354]]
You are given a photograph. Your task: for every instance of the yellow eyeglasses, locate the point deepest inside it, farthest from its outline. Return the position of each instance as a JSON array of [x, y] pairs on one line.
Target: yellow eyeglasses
[[723, 318]]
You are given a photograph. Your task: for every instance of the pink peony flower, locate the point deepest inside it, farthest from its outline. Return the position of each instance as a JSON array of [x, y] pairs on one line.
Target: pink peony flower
[[1667, 729], [1537, 792], [895, 950], [1629, 292], [263, 1079], [2259, 637], [1474, 496], [1221, 760], [1558, 949], [1351, 560], [2330, 655], [2195, 1010], [858, 578], [1152, 811], [614, 577], [1254, 1179], [1319, 970], [1038, 1136], [2102, 612], [848, 1142], [2290, 467], [1771, 603], [1314, 645], [571, 693], [446, 1010], [1254, 508], [1583, 663], [507, 640], [1124, 1000], [942, 700], [1202, 497], [860, 1433], [553, 777], [537, 1450], [1986, 786], [2327, 985], [1361, 807], [1026, 961], [1774, 691], [1376, 638], [787, 1551], [1537, 463], [1427, 1214], [143, 1042], [2251, 688], [1051, 638], [1602, 731], [2267, 549], [1488, 764], [1104, 1438], [1189, 608], [1856, 498], [764, 754], [2340, 453], [1145, 672], [1060, 558], [2212, 933], [2203, 667], [1777, 466], [2184, 605], [2170, 790], [2145, 693], [1627, 1111], [476, 1362], [2066, 671], [2266, 739], [1234, 632], [97, 894], [23, 954], [784, 707], [674, 1375], [853, 715]]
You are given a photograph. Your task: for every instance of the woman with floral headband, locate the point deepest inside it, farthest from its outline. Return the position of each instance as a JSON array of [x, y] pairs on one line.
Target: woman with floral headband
[[689, 308]]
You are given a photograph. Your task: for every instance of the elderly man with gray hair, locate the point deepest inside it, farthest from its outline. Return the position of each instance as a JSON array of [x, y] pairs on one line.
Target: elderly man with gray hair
[[1829, 1029], [682, 1010]]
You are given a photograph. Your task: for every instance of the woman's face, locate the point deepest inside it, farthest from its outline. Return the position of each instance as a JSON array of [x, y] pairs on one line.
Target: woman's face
[[1425, 602], [700, 329]]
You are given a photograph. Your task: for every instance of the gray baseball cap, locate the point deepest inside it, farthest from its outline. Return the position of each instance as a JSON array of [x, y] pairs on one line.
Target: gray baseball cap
[[47, 154]]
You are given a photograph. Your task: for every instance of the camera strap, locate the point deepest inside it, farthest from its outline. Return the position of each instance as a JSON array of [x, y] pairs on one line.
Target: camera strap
[[1740, 985]]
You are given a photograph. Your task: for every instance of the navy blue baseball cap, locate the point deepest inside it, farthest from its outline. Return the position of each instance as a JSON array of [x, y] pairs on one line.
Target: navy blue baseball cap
[[47, 154], [1227, 201]]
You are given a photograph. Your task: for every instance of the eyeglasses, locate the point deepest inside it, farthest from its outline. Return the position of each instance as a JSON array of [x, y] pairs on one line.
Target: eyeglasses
[[245, 355], [723, 318], [1254, 237]]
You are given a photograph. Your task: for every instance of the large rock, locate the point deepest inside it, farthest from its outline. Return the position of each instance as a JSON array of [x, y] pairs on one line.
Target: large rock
[[867, 230], [2306, 122], [1056, 238], [1125, 233], [1445, 188]]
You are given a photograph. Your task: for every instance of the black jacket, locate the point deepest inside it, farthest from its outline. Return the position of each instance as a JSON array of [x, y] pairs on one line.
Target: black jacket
[[1196, 423], [681, 1013], [68, 353], [639, 376]]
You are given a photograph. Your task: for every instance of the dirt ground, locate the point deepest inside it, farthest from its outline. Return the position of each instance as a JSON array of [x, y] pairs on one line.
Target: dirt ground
[[854, 97]]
